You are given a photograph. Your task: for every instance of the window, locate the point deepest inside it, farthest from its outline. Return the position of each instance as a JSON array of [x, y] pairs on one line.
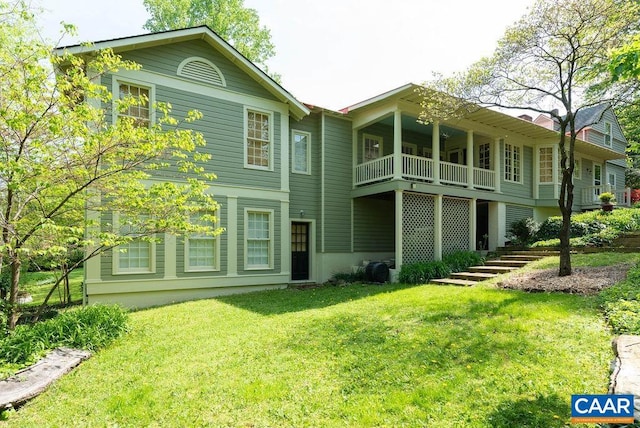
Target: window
[[258, 239], [608, 134], [258, 139], [140, 112], [201, 250], [612, 180], [372, 147], [301, 152], [577, 168], [512, 162], [546, 164], [484, 156], [409, 148], [137, 256]]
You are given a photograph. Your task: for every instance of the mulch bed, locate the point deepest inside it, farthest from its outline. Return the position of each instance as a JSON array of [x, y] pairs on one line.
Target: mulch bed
[[583, 280]]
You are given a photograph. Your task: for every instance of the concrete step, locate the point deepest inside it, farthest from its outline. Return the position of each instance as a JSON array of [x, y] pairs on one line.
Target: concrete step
[[521, 257], [473, 276], [492, 269], [541, 253], [453, 281], [507, 262]]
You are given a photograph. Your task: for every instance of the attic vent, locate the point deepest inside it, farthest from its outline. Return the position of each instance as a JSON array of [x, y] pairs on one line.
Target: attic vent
[[201, 69]]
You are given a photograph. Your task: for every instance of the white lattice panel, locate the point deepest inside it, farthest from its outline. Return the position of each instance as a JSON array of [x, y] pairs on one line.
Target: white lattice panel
[[417, 227], [455, 225]]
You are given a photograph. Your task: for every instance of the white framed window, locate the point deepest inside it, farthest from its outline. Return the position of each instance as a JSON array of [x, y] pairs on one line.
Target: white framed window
[[577, 168], [612, 180], [409, 148], [371, 147], [144, 94], [608, 134], [484, 156], [258, 139], [300, 152], [512, 162], [136, 256], [258, 239], [546, 164], [201, 251]]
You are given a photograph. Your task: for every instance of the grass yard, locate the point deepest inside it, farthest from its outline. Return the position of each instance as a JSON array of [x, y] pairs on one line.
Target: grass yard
[[38, 284], [363, 355]]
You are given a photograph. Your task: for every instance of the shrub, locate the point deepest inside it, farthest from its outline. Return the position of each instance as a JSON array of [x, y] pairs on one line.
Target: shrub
[[621, 304], [357, 276], [523, 231], [423, 272], [462, 260], [91, 328]]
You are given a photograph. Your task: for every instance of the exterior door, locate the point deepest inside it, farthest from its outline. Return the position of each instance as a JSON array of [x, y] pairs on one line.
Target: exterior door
[[597, 181], [299, 251]]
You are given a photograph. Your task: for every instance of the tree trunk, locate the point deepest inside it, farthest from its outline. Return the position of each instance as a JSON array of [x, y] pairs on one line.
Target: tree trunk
[[12, 319], [565, 246]]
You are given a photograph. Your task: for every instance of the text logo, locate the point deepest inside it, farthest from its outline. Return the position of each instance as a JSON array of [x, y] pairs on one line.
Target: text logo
[[602, 408]]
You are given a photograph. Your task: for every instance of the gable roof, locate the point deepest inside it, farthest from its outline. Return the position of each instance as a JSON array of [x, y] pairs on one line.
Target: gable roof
[[205, 33], [591, 115]]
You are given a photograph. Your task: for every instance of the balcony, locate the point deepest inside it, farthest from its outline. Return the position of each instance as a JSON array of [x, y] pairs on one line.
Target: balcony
[[419, 168], [590, 196]]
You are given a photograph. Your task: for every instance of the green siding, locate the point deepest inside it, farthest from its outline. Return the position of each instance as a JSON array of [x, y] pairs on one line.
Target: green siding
[[525, 188], [373, 228], [224, 257], [166, 59], [516, 212], [259, 204], [546, 191], [304, 188], [222, 126], [338, 183]]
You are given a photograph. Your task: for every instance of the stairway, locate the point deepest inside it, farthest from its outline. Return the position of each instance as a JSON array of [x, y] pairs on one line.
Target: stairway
[[492, 268]]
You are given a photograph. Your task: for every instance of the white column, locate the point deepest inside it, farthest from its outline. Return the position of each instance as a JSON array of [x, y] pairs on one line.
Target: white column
[[398, 226], [437, 229], [497, 224], [170, 254], [495, 151], [232, 235], [435, 151], [470, 159], [536, 173], [397, 145], [473, 223]]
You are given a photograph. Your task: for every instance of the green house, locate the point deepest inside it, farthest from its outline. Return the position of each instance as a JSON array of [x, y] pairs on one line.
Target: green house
[[306, 192]]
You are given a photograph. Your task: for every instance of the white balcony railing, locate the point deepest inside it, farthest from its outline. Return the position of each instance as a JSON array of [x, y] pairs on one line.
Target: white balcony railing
[[422, 169], [374, 170], [590, 195]]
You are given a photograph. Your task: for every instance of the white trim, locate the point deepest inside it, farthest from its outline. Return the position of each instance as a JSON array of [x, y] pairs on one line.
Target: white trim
[[295, 132], [372, 137], [270, 212], [186, 85], [115, 259], [246, 110], [615, 177], [539, 164], [206, 61], [609, 134], [520, 166], [411, 146], [148, 40], [117, 80], [216, 249]]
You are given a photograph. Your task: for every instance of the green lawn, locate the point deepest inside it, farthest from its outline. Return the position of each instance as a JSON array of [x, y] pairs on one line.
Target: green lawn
[[354, 356], [38, 284]]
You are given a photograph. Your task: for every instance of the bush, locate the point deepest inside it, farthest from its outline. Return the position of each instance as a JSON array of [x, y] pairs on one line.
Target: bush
[[91, 328], [621, 304], [357, 276], [423, 272], [523, 231]]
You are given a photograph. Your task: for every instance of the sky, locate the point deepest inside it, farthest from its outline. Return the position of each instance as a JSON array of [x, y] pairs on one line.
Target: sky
[[333, 53]]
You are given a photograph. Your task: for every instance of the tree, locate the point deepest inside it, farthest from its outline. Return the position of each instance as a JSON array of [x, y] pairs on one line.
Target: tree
[[554, 60], [238, 25], [61, 157]]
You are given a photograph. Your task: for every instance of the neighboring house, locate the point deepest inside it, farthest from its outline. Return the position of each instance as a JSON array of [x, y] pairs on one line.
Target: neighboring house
[[306, 192]]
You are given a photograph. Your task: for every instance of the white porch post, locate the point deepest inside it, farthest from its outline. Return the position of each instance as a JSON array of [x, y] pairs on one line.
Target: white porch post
[[398, 227], [435, 151], [495, 151], [397, 145], [473, 222], [437, 229], [470, 159], [497, 224]]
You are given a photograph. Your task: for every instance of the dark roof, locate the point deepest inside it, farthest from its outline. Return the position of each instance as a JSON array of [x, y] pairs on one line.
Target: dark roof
[[590, 115]]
